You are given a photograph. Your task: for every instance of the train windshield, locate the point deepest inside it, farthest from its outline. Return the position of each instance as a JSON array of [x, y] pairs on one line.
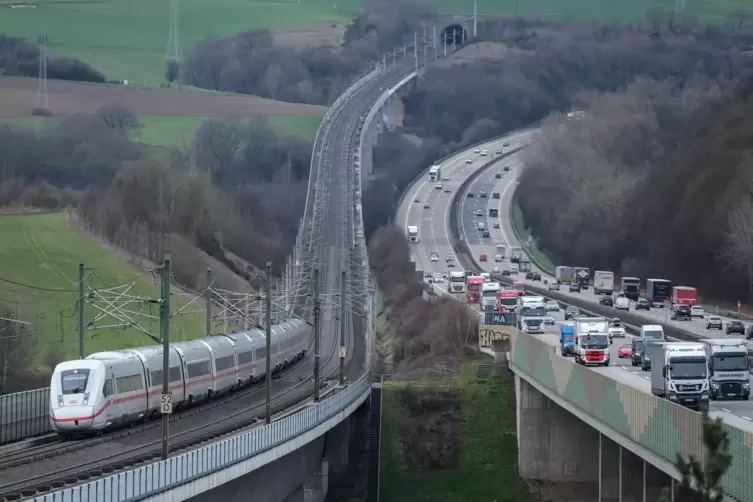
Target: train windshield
[[74, 381]]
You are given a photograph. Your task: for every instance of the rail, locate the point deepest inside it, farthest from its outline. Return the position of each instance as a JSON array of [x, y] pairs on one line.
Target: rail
[[165, 475]]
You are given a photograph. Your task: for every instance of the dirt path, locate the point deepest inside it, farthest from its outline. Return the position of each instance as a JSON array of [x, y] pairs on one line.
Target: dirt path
[[18, 97]]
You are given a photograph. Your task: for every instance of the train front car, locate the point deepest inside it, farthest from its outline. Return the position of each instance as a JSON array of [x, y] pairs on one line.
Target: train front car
[[76, 398]]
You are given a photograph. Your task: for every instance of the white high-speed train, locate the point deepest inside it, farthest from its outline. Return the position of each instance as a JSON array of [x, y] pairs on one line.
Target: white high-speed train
[[109, 389]]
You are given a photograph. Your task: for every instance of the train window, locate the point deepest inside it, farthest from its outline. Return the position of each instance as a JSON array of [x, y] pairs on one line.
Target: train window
[[199, 369], [245, 357], [129, 383], [261, 353], [223, 363], [157, 378], [107, 389], [74, 381], [175, 374]]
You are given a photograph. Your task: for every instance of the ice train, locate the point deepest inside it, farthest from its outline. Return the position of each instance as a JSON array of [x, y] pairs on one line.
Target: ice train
[[111, 389]]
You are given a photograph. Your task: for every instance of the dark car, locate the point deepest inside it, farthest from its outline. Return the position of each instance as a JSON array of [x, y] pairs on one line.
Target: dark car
[[639, 346], [642, 304], [574, 287], [749, 332], [498, 175], [682, 313], [571, 312], [735, 326], [486, 233], [529, 276], [506, 272], [607, 301], [507, 168], [536, 276], [470, 194]]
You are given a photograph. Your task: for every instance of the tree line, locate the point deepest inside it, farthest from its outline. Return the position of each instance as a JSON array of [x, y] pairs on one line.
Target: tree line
[[20, 58]]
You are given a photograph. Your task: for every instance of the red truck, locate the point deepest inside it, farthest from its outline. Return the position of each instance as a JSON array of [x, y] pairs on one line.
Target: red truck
[[683, 295], [473, 288]]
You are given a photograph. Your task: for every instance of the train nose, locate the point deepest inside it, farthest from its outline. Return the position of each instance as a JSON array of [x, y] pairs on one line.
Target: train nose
[[72, 418]]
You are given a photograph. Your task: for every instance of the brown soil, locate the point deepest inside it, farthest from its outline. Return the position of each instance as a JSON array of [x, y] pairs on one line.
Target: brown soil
[[18, 98], [310, 35]]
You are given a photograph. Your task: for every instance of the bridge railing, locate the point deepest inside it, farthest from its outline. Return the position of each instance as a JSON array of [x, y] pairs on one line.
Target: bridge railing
[[165, 475]]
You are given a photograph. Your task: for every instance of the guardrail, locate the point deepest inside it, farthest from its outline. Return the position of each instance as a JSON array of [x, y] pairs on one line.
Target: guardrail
[[165, 475], [24, 414]]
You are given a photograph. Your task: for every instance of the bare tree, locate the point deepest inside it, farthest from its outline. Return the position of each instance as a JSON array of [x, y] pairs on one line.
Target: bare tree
[[738, 248], [119, 118], [17, 340]]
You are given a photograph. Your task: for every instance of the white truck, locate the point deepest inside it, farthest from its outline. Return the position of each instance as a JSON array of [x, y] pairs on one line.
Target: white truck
[[532, 317], [412, 233], [435, 173], [457, 281], [516, 253], [592, 341], [679, 373], [563, 274], [603, 282], [728, 368], [489, 295]]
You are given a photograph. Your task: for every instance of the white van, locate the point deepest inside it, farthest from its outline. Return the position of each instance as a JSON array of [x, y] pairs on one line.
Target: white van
[[481, 225], [622, 303], [653, 332]]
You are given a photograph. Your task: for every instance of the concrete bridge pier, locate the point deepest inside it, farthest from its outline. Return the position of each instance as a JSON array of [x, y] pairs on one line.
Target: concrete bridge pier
[[563, 456]]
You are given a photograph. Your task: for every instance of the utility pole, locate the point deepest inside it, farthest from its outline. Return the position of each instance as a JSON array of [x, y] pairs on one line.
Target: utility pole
[[208, 295], [165, 332], [475, 18], [81, 301], [415, 49], [342, 328], [317, 339], [42, 102], [269, 342]]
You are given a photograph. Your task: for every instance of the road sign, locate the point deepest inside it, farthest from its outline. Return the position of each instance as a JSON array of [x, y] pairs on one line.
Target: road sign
[[342, 352], [166, 404], [500, 318]]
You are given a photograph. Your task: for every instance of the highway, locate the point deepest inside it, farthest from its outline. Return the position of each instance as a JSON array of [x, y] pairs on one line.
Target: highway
[[436, 236]]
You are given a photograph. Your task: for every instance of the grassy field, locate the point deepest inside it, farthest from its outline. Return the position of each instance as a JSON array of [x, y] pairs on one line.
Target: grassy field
[[127, 39], [522, 229], [167, 130], [487, 464], [43, 251]]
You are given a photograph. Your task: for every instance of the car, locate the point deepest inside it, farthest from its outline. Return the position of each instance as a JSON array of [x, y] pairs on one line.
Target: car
[[536, 276], [476, 151], [438, 186], [434, 257], [749, 332], [506, 168], [496, 225], [554, 286], [735, 326], [449, 258], [478, 212], [486, 233], [499, 152], [552, 306], [470, 194], [446, 178], [469, 161], [682, 313], [697, 311], [574, 287], [484, 153], [482, 195], [427, 206], [506, 144], [447, 190], [438, 278], [495, 195], [498, 175], [451, 264], [496, 270], [625, 351], [497, 257], [622, 303], [714, 322], [636, 351], [642, 304], [529, 276], [416, 200], [506, 272], [548, 320], [483, 257], [607, 301], [571, 312], [616, 329]]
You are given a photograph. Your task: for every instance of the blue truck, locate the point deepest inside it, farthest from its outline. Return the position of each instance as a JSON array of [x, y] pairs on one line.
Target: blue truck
[[567, 339]]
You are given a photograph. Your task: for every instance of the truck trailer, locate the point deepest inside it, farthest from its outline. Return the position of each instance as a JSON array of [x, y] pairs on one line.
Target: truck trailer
[[582, 276], [729, 376], [567, 339], [683, 295], [413, 233], [679, 373], [563, 274], [516, 253], [658, 292], [631, 287], [603, 282], [435, 173]]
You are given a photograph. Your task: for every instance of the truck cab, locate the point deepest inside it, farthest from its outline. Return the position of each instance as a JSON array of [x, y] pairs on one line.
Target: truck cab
[[592, 341], [680, 373], [729, 376], [531, 318], [567, 339]]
